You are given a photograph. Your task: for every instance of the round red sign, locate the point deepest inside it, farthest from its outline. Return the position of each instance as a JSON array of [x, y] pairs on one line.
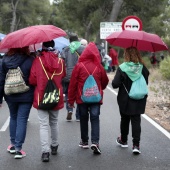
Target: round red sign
[[132, 23]]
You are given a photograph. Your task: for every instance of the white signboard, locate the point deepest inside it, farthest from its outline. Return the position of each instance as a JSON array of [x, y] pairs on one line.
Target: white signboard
[[106, 28]]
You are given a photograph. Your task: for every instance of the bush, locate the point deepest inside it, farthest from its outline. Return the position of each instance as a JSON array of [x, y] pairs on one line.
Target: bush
[[164, 68]]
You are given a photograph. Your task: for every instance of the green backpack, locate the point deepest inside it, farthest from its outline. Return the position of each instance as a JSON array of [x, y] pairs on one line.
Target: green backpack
[[138, 89]]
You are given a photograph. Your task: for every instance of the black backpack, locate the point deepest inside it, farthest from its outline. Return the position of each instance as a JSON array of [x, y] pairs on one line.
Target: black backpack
[[51, 95]]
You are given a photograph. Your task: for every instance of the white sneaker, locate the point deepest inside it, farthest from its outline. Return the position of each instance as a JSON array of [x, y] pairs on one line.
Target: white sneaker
[[136, 150]]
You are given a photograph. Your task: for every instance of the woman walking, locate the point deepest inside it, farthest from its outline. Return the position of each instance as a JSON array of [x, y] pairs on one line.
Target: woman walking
[[130, 109], [88, 64], [19, 104]]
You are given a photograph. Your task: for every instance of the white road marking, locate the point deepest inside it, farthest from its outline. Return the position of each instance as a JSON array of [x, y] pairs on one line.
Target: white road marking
[[6, 124], [165, 132]]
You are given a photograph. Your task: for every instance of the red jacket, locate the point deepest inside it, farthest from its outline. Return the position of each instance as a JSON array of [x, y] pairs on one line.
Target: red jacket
[[113, 55], [91, 59], [39, 79]]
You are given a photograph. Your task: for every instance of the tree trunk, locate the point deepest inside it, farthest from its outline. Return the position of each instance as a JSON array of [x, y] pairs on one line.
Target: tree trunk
[[113, 15], [115, 10], [86, 36], [14, 16]]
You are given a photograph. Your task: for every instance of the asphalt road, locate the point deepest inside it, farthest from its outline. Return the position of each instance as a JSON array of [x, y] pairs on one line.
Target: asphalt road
[[155, 146]]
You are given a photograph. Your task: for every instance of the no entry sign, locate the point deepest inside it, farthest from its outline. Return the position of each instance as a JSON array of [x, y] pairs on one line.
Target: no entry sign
[[132, 23]]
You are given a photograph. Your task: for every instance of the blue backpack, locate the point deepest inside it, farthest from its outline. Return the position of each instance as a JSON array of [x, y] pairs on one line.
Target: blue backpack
[[90, 93], [138, 89]]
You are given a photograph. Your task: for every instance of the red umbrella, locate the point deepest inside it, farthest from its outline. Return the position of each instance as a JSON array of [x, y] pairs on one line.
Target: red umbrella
[[142, 40], [31, 35]]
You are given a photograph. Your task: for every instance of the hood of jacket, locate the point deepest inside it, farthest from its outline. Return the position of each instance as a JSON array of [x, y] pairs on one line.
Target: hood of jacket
[[74, 46], [14, 61], [50, 61], [90, 54], [133, 70]]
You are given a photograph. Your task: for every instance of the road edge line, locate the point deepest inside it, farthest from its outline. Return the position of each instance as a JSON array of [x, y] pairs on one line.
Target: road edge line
[[6, 124], [160, 128]]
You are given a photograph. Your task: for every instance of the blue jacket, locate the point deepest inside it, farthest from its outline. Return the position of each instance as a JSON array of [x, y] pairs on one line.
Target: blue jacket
[[25, 63]]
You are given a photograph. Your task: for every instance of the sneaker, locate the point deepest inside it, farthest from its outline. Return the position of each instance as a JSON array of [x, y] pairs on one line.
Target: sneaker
[[120, 143], [54, 150], [11, 149], [69, 116], [84, 145], [136, 150], [96, 149], [19, 154], [45, 157], [77, 120]]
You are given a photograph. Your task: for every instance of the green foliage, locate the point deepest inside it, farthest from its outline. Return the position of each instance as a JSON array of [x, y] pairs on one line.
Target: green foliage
[[32, 12], [84, 16], [81, 16], [164, 68], [147, 61], [145, 10]]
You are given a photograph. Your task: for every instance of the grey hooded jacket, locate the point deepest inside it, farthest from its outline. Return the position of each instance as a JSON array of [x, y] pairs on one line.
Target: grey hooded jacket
[[70, 60]]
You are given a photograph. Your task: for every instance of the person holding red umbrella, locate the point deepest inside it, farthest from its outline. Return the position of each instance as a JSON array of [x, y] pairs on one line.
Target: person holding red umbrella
[[19, 104], [130, 109]]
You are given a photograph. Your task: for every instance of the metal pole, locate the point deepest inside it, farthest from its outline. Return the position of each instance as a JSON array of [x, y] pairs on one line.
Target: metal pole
[[106, 44]]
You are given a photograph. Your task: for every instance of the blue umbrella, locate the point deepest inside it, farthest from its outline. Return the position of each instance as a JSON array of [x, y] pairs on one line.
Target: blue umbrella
[[60, 43], [2, 36]]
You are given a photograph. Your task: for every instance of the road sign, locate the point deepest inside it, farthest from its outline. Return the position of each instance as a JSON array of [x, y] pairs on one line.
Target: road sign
[[106, 28], [132, 23]]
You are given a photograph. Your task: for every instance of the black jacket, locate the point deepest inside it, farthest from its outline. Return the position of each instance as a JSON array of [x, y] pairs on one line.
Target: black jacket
[[126, 104]]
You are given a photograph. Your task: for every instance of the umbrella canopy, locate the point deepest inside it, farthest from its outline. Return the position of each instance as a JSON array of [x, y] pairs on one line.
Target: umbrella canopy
[[60, 43], [2, 36], [142, 40], [31, 35]]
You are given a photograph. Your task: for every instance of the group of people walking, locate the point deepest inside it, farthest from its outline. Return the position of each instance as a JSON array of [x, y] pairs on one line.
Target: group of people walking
[[78, 61]]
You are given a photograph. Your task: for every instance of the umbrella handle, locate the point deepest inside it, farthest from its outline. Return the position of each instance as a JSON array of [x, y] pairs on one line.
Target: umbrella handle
[[34, 48]]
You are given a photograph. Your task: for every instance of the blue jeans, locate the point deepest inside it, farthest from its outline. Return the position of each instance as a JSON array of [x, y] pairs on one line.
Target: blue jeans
[[94, 111], [19, 113], [69, 109]]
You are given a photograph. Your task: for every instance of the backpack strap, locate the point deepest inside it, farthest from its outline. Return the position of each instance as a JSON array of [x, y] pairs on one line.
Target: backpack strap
[[87, 70], [45, 70], [92, 72], [59, 60], [125, 88], [77, 54]]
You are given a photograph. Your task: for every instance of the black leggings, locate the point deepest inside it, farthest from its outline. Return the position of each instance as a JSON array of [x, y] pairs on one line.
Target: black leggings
[[136, 128]]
